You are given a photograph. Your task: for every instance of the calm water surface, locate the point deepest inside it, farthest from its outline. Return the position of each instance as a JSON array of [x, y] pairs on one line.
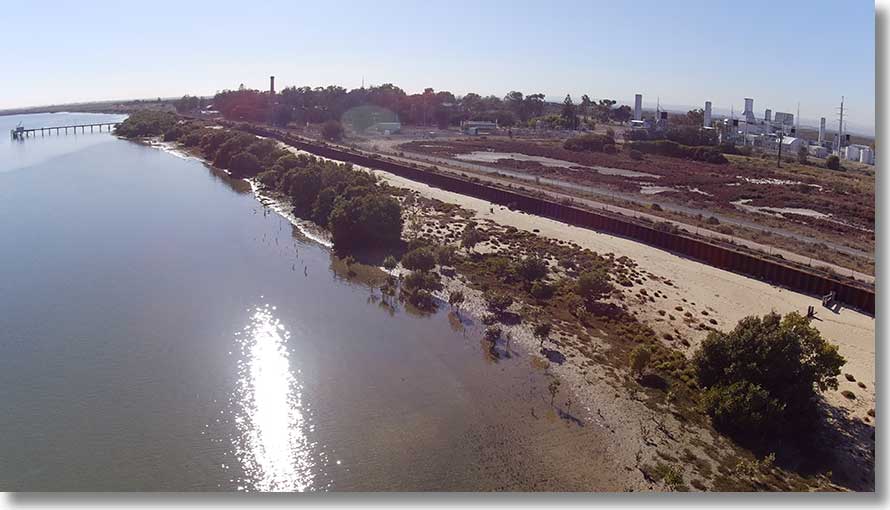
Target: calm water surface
[[161, 330]]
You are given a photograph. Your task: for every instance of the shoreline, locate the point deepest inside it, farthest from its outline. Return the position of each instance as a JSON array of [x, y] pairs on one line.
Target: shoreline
[[595, 385]]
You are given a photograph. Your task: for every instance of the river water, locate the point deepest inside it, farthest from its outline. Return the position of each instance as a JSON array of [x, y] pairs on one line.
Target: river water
[[160, 329]]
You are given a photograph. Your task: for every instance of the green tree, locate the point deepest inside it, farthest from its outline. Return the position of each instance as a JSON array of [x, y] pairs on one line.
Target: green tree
[[569, 114], [833, 162], [332, 130], [765, 373], [390, 263], [372, 220], [244, 164]]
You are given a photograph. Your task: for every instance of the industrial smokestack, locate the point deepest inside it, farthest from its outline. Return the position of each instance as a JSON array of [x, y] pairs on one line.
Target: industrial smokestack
[[768, 116], [822, 130], [749, 110], [638, 107], [707, 120], [272, 85]]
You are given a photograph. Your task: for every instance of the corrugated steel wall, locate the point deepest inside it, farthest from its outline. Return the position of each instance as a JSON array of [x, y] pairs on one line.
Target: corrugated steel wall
[[799, 279]]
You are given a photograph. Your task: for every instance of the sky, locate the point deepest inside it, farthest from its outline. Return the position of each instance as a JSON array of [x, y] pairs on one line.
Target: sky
[[681, 52]]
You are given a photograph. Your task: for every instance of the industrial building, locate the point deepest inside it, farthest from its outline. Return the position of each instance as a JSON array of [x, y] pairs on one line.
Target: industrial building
[[478, 127]]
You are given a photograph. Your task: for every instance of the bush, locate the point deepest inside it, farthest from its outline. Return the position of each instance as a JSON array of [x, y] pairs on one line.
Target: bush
[[446, 255], [531, 269], [422, 280], [676, 150], [636, 155], [765, 374], [420, 259], [610, 148], [493, 333], [390, 263], [542, 331], [470, 236], [833, 162], [588, 143], [594, 285], [639, 359], [542, 291], [455, 298], [498, 303]]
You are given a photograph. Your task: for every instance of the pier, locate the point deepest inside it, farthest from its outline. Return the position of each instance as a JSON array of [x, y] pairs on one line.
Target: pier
[[20, 133]]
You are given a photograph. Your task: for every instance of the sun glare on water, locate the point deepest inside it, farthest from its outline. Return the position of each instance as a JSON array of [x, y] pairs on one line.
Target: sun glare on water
[[271, 422]]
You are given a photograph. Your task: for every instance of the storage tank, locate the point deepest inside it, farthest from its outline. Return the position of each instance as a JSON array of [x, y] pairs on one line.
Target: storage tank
[[638, 107], [851, 153], [867, 156]]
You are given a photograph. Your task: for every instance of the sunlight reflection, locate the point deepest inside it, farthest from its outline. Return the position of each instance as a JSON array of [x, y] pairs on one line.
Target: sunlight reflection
[[271, 421]]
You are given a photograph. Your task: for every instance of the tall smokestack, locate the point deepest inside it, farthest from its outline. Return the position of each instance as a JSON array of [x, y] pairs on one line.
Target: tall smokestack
[[768, 116], [638, 107], [707, 120], [272, 85], [749, 110], [822, 130]]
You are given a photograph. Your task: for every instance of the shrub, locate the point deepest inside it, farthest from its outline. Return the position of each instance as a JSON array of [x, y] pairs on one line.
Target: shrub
[[676, 150], [833, 162], [446, 255], [419, 259], [610, 148], [390, 262], [542, 331], [470, 236], [498, 303], [588, 143], [712, 220], [531, 269], [455, 298], [422, 280], [639, 359], [542, 291], [635, 154], [765, 374], [594, 285]]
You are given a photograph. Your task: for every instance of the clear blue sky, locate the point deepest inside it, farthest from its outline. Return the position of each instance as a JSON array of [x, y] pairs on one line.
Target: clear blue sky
[[683, 51]]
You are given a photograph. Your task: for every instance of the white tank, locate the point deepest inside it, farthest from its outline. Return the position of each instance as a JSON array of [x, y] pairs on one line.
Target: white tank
[[851, 153], [638, 107], [866, 156]]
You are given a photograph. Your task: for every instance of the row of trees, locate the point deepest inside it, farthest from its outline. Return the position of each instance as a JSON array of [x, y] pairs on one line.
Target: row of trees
[[431, 107], [351, 204]]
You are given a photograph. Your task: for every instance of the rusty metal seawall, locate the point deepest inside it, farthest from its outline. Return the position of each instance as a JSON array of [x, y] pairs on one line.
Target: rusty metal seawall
[[799, 279]]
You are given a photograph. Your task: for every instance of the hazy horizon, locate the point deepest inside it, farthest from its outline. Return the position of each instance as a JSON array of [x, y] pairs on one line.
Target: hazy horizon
[[682, 54]]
